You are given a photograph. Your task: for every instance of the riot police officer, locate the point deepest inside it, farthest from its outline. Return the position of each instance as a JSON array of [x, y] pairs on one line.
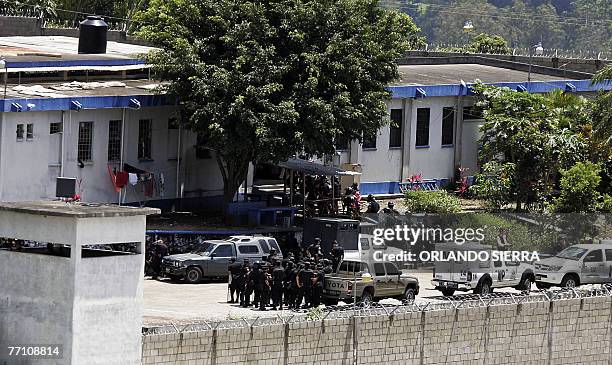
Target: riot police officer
[[278, 278]]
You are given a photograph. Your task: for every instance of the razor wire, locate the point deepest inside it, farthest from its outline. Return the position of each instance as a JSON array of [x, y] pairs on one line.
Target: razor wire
[[462, 301]]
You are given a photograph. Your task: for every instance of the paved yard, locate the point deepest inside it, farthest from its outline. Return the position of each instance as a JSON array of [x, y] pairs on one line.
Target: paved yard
[[166, 301]]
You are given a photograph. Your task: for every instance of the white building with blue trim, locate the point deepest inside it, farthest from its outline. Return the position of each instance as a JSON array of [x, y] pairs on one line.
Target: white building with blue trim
[[92, 116]]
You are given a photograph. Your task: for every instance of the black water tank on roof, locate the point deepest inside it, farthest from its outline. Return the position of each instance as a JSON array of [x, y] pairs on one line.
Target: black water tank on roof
[[92, 35]]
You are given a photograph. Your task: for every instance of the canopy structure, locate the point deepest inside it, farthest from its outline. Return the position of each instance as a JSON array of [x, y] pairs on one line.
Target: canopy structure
[[314, 168]]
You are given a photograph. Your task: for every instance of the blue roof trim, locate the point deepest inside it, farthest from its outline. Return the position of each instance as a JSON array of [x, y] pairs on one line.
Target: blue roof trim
[[73, 63], [410, 91], [87, 102]]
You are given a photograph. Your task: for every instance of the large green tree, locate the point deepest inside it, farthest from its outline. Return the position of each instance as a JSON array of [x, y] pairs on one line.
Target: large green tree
[[264, 80], [533, 133]]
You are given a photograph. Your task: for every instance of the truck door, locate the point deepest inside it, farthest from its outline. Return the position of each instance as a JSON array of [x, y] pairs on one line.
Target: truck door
[[382, 285], [594, 270], [499, 273], [512, 274], [608, 277], [393, 275], [220, 257]]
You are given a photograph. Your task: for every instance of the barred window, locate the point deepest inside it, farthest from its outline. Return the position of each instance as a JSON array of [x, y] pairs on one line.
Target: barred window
[[369, 142], [144, 139], [20, 132], [395, 128], [422, 127], [448, 121], [342, 143], [55, 127], [114, 140], [472, 112], [85, 143], [30, 131]]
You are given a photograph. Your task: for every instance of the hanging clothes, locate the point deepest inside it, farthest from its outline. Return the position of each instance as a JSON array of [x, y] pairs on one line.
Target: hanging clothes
[[161, 186], [113, 177], [135, 170], [133, 178], [121, 179], [149, 186]]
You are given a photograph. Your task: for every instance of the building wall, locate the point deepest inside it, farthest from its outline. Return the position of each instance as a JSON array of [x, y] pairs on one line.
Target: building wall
[[384, 167], [559, 332], [30, 167]]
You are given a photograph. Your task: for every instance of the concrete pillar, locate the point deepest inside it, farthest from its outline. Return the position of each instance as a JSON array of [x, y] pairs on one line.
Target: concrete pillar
[[458, 132], [406, 134]]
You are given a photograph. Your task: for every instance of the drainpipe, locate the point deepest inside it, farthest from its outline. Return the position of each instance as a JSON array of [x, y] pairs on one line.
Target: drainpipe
[[178, 162], [2, 154], [121, 148], [62, 146]]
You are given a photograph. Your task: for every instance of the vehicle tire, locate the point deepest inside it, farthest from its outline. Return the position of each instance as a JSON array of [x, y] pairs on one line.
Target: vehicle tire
[[193, 275], [542, 286], [447, 292], [525, 283], [367, 298], [484, 288], [570, 281], [174, 278], [328, 301], [409, 295]]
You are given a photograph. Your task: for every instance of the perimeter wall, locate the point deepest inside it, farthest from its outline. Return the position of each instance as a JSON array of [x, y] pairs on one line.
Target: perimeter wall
[[568, 331]]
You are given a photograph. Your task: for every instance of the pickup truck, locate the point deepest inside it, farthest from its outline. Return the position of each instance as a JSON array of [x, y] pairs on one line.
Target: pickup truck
[[479, 276], [575, 266], [212, 258], [367, 281]]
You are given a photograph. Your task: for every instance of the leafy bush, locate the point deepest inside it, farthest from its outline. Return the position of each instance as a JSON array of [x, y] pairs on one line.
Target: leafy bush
[[421, 201], [485, 43], [578, 187], [606, 205], [494, 184]]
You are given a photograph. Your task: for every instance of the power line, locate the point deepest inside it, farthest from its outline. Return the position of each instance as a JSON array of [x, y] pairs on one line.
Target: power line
[[403, 5], [36, 7]]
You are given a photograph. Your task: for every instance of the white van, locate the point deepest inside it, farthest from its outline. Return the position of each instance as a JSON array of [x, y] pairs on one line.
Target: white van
[[480, 276], [576, 265]]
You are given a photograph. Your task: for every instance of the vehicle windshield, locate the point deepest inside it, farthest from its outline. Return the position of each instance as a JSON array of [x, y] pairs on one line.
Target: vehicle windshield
[[204, 249], [572, 253]]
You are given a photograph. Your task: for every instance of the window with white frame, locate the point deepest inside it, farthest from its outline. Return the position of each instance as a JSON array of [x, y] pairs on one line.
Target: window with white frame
[[145, 134], [55, 127], [448, 122], [85, 142], [173, 138], [395, 128], [30, 131], [422, 127], [20, 132], [114, 140]]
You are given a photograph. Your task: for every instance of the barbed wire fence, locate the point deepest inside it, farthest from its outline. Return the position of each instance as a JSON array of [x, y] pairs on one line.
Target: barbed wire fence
[[520, 51], [377, 309]]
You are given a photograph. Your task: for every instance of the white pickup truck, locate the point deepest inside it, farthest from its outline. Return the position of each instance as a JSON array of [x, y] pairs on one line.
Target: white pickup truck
[[480, 276], [576, 265]]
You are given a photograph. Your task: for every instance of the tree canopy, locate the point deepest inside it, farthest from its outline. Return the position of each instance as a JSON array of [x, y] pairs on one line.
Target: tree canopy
[[261, 81]]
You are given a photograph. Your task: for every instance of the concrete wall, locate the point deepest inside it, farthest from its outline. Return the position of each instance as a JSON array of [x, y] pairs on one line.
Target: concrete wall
[[109, 292], [46, 316], [27, 26], [571, 64], [575, 331], [17, 25], [30, 167]]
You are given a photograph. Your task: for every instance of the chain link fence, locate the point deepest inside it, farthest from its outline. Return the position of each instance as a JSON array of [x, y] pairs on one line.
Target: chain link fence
[[378, 309]]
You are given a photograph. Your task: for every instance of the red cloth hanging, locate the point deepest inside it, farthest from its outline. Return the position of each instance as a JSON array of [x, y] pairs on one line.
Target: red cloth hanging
[[121, 179]]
